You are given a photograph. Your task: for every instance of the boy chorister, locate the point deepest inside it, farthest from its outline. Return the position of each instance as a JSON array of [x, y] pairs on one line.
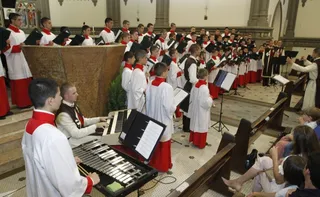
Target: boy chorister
[[202, 62], [205, 43], [162, 44], [154, 54], [4, 103], [125, 40], [213, 89], [125, 26], [127, 71], [192, 41], [107, 34], [48, 36], [140, 32], [242, 68], [138, 83], [253, 65], [172, 31], [160, 106], [86, 31], [150, 33], [199, 110]]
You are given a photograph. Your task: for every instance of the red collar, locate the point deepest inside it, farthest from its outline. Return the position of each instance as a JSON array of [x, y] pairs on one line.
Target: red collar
[[212, 42], [201, 61], [139, 34], [124, 30], [219, 55], [123, 42], [153, 58], [200, 83], [150, 33], [214, 57], [126, 65], [139, 66], [174, 60], [161, 39], [172, 31], [86, 36], [38, 119], [132, 40], [205, 42], [194, 41], [14, 28], [158, 80], [107, 29], [46, 31]]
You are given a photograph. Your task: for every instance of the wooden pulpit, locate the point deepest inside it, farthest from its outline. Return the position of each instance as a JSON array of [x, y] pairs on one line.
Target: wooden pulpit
[[90, 68]]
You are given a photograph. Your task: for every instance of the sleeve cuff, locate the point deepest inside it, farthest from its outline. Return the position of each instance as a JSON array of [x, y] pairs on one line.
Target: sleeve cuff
[[89, 185]]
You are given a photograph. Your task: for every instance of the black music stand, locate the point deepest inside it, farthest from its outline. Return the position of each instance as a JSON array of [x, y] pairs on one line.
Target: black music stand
[[223, 80], [141, 134]]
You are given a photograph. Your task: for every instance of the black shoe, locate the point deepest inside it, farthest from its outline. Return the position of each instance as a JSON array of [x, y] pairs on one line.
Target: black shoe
[[9, 113], [251, 158], [2, 117]]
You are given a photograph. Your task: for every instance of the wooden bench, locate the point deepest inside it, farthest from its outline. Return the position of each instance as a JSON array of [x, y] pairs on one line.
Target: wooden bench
[[297, 88], [209, 175], [248, 132]]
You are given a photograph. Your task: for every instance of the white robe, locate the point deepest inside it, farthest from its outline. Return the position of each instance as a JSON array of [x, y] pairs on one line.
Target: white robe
[[309, 99], [253, 65], [160, 106], [2, 70], [138, 84], [45, 39], [125, 80], [213, 74], [88, 42], [242, 68], [172, 78], [199, 109], [17, 64], [107, 37], [190, 42], [51, 170]]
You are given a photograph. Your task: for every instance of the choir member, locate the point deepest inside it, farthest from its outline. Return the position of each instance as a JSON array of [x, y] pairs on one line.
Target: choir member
[[242, 68], [18, 69], [172, 31], [200, 105], [152, 60], [125, 40], [312, 94], [51, 168], [138, 83], [150, 33], [4, 102], [192, 30], [190, 74], [125, 26], [134, 36], [205, 43], [88, 41], [202, 60], [160, 106], [260, 64], [127, 72], [140, 32], [174, 75], [226, 32], [72, 122], [48, 36], [107, 34], [217, 34], [213, 89], [162, 45], [67, 41], [253, 65], [192, 41], [268, 61]]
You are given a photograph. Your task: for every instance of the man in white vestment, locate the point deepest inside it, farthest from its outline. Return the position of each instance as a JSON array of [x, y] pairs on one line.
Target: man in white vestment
[[312, 94], [47, 35], [160, 106], [18, 69], [88, 41], [51, 168], [138, 83], [107, 34], [71, 121], [127, 72]]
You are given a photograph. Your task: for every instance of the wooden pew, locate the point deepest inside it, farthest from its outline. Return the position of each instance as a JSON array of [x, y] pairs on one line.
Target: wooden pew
[[209, 175], [248, 132], [297, 88]]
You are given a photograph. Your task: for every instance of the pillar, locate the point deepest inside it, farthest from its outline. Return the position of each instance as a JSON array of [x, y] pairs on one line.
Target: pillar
[[162, 13], [291, 18], [113, 11], [259, 13]]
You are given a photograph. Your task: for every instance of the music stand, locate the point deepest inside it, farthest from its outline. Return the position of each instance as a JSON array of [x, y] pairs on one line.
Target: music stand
[[223, 80]]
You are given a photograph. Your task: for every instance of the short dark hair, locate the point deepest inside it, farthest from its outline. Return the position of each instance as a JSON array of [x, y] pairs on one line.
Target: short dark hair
[[107, 20], [154, 48], [125, 34], [43, 20], [172, 51], [226, 28], [313, 166], [293, 168], [133, 31], [40, 90], [85, 27], [202, 73], [140, 54], [140, 25], [193, 33], [125, 22], [160, 68], [149, 24], [171, 35], [172, 24], [63, 28], [127, 55], [64, 88], [305, 141], [317, 51], [13, 16], [194, 48]]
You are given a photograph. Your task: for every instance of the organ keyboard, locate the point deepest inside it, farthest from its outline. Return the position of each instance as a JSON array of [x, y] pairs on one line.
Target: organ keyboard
[[115, 124], [113, 166]]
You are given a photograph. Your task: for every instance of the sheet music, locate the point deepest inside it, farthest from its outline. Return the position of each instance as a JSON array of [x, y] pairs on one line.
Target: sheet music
[[228, 81], [179, 94], [281, 79], [118, 34], [149, 139]]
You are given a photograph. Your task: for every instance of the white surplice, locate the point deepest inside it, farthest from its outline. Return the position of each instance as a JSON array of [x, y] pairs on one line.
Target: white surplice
[[138, 85], [46, 38], [213, 73], [125, 80], [108, 37], [2, 70], [160, 106], [173, 78], [310, 93], [88, 42], [199, 109]]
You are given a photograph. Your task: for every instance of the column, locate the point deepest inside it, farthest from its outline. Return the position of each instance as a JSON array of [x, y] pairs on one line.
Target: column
[[1, 16], [162, 13], [43, 7], [113, 11], [259, 13], [292, 17]]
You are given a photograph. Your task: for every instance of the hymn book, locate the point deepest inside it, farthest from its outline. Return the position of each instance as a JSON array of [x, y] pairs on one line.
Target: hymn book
[[179, 95]]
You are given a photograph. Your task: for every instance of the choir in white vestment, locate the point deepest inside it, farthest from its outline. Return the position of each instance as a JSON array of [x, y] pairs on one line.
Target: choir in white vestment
[[107, 34], [47, 35]]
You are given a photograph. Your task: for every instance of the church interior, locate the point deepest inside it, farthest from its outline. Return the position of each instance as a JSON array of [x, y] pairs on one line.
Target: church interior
[[251, 115]]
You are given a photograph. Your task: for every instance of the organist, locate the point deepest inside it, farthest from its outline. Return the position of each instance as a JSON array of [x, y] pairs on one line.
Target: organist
[[71, 121]]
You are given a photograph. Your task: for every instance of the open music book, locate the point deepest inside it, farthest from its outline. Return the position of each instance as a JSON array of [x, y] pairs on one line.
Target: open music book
[[179, 96], [224, 80], [281, 79]]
